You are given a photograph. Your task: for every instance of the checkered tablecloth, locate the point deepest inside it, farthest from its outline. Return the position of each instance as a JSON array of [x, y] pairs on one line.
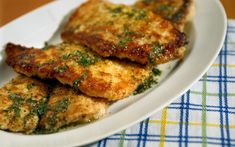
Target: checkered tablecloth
[[204, 116]]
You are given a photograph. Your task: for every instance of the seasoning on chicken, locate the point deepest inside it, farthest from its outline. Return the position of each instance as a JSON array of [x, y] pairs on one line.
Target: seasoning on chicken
[[66, 107], [21, 102], [75, 65], [117, 30], [179, 12]]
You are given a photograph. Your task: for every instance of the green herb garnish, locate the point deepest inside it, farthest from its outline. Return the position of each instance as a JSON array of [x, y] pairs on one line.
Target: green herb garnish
[[177, 16], [142, 14], [30, 86], [81, 58], [126, 31], [157, 51], [148, 83], [77, 82], [31, 102], [17, 102], [116, 10], [145, 85], [16, 98], [130, 14], [163, 8], [156, 72], [124, 42], [61, 106], [52, 119]]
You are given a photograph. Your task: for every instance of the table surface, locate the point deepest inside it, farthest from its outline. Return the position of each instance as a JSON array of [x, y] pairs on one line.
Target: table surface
[[11, 9]]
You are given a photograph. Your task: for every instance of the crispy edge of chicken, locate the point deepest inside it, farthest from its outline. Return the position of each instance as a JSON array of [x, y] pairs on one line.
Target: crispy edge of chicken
[[125, 32], [179, 12], [20, 102], [28, 105], [110, 79], [66, 107]]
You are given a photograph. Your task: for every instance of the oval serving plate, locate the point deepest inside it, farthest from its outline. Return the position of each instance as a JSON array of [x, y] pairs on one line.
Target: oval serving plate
[[206, 34]]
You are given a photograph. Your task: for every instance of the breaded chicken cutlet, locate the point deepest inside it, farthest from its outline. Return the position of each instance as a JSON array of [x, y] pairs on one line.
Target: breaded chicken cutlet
[[26, 103], [80, 68], [21, 101], [116, 30], [66, 107], [177, 11]]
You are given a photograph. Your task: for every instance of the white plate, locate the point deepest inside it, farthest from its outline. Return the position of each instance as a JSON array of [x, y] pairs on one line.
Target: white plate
[[206, 33]]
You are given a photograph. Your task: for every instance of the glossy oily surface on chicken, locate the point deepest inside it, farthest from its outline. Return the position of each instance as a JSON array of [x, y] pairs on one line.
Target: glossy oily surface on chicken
[[75, 65], [179, 12], [21, 103], [30, 106], [124, 32], [66, 107]]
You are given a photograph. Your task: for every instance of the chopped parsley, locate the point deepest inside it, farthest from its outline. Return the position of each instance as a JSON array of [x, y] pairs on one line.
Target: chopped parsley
[[77, 82], [30, 86], [17, 102], [124, 42], [130, 14], [142, 14], [42, 108], [164, 8], [125, 37], [66, 56], [35, 107], [31, 102], [148, 83], [177, 16], [126, 30], [16, 98], [81, 58], [116, 10], [157, 50], [61, 106], [156, 72], [16, 110], [52, 119], [137, 14]]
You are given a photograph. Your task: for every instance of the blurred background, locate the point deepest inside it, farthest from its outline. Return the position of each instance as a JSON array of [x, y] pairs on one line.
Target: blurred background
[[11, 9]]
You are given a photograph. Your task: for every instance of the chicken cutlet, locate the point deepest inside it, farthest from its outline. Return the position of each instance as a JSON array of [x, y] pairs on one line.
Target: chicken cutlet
[[179, 12], [80, 68], [66, 107], [29, 105], [116, 30], [21, 102]]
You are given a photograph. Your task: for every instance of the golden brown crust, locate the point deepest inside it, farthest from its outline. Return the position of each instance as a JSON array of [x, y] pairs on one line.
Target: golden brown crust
[[76, 66], [177, 11], [123, 32], [20, 102], [66, 107], [26, 102]]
